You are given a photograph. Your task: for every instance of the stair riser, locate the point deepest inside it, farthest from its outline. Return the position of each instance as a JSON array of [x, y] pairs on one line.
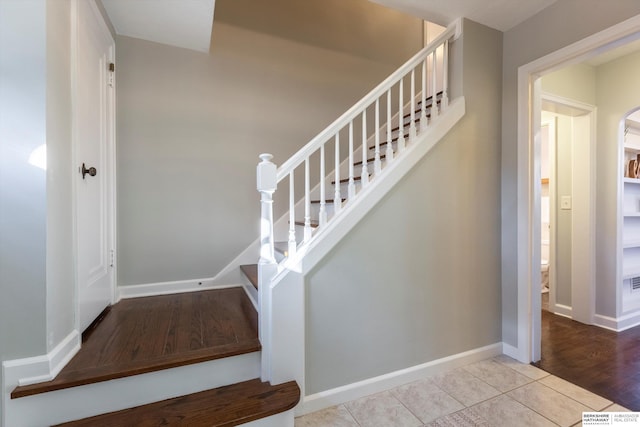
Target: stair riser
[[93, 399]]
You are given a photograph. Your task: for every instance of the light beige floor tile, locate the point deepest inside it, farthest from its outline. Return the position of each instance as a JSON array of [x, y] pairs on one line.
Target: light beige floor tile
[[497, 375], [464, 387], [583, 396], [523, 368], [464, 418], [557, 407], [616, 408], [381, 410], [426, 400], [336, 416], [503, 411]]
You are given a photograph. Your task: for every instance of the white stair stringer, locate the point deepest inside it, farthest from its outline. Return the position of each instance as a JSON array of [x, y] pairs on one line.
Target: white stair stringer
[[79, 402]]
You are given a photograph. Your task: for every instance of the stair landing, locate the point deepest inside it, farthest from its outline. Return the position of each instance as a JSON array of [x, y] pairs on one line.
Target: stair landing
[[148, 334]]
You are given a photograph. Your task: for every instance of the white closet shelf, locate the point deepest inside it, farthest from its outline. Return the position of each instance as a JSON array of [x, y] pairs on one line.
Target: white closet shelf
[[631, 180], [632, 214]]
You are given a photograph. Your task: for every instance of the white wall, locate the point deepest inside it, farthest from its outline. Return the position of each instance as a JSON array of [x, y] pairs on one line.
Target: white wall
[[419, 278], [618, 92], [190, 126], [559, 25]]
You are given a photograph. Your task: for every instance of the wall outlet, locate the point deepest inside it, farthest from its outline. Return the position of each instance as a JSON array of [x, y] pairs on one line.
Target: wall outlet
[[565, 202]]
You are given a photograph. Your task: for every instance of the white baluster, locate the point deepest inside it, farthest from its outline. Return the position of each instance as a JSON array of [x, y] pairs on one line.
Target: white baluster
[[423, 111], [412, 126], [389, 153], [323, 209], [401, 143], [337, 198], [307, 203], [266, 183], [364, 174], [292, 217], [351, 188], [445, 75], [434, 92], [377, 164]]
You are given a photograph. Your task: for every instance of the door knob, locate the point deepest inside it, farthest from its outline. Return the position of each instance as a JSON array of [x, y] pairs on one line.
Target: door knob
[[91, 171]]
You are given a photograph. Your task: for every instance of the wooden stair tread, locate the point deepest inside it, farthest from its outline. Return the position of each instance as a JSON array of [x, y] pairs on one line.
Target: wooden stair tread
[[314, 224], [327, 201], [382, 144], [220, 407], [120, 346], [346, 180], [371, 160], [251, 271]]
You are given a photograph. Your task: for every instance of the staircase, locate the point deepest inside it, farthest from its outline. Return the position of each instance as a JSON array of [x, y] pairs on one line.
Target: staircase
[[331, 184], [182, 359], [210, 358]]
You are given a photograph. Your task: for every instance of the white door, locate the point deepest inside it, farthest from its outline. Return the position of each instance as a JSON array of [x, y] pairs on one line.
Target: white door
[[94, 139]]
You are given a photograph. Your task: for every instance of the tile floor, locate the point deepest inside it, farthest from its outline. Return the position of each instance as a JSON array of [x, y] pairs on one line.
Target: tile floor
[[491, 393]]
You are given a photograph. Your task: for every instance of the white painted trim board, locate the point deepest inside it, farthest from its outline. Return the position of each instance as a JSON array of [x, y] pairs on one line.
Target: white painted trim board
[[346, 393]]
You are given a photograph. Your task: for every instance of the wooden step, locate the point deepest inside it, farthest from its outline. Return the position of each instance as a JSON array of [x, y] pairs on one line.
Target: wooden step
[[226, 406], [142, 335], [371, 160], [251, 271], [327, 201], [394, 140], [314, 224]]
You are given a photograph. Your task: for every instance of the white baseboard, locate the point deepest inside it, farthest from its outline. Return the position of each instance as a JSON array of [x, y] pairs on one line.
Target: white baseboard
[[32, 370], [346, 393], [617, 324], [166, 288], [563, 310]]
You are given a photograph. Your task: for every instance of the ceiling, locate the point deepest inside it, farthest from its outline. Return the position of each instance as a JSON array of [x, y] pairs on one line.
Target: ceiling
[[181, 23], [499, 14], [188, 23]]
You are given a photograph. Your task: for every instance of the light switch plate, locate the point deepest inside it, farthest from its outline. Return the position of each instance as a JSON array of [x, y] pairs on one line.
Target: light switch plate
[[565, 202]]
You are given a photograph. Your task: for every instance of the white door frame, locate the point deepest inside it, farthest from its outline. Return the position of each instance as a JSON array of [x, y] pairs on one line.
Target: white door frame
[[528, 182], [110, 155]]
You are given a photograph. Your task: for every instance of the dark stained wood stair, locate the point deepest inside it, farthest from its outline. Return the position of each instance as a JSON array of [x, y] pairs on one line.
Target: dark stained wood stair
[[142, 335], [226, 406]]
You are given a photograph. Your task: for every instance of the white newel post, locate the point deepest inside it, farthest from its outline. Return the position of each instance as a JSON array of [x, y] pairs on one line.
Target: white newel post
[[267, 267]]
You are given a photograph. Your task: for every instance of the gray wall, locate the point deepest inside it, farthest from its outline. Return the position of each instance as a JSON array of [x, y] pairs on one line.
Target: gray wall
[[36, 250], [559, 25], [60, 172], [433, 288], [190, 126], [22, 186]]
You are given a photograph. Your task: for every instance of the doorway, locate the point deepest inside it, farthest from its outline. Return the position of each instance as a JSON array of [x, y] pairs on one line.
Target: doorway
[[528, 186], [568, 203]]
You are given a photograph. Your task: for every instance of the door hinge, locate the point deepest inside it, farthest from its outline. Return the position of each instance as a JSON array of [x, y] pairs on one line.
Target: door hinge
[[112, 70], [112, 258]]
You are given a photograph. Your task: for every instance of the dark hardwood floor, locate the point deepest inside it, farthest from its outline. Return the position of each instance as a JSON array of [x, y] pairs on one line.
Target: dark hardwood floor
[[604, 362], [141, 335]]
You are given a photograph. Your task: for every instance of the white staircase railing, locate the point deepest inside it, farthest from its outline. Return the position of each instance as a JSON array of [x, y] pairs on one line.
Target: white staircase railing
[[431, 67], [423, 82]]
